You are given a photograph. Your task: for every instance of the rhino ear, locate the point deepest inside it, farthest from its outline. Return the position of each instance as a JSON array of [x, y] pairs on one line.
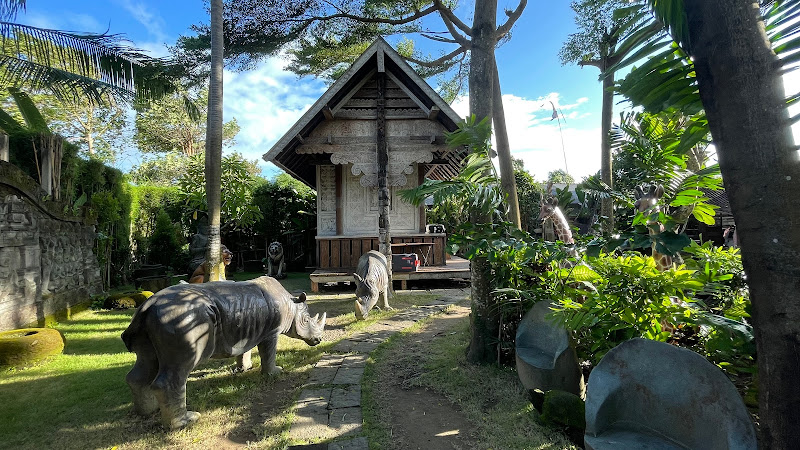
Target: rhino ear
[[301, 298]]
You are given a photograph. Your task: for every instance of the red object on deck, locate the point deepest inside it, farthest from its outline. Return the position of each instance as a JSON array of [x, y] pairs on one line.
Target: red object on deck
[[405, 262]]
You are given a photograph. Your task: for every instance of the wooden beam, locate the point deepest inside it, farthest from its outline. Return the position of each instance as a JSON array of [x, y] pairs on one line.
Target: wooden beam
[[326, 111], [381, 63], [300, 138], [433, 113], [339, 198]]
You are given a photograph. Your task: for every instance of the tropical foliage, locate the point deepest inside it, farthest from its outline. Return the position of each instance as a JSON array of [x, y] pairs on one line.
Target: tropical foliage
[[238, 177]]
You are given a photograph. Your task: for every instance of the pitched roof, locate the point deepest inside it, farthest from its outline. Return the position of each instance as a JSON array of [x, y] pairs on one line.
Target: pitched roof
[[380, 53]]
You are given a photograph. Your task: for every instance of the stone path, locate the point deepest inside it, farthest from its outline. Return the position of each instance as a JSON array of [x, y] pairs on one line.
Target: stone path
[[329, 407]]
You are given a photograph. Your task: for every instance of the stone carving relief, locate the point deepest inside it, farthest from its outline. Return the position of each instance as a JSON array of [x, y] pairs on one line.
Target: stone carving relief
[[401, 164], [361, 207], [43, 261]]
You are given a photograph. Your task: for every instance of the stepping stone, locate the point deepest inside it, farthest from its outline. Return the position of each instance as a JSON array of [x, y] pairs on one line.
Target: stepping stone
[[359, 443], [349, 375], [315, 395], [322, 375], [310, 421], [345, 396], [344, 421], [355, 361]]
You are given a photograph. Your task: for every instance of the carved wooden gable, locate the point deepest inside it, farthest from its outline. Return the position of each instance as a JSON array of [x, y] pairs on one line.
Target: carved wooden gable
[[349, 134]]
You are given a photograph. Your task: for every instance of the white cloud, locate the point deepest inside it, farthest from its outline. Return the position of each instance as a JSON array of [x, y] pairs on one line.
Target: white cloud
[[266, 102], [537, 140]]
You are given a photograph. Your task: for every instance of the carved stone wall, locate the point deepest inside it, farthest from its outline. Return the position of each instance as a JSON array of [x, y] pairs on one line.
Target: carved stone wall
[[47, 264]]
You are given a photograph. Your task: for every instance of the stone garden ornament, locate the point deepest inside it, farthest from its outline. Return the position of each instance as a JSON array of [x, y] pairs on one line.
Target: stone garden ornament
[[276, 264], [198, 276], [185, 324], [647, 204], [372, 281], [632, 402]]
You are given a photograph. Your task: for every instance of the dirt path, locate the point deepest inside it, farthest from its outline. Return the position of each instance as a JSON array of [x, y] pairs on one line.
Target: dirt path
[[419, 418]]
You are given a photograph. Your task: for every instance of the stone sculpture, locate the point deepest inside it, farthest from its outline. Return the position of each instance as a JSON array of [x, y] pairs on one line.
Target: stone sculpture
[[632, 402], [372, 281], [545, 359], [198, 276], [185, 324], [276, 264]]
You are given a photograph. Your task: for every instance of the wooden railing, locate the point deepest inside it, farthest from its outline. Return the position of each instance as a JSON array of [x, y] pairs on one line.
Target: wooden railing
[[342, 252]]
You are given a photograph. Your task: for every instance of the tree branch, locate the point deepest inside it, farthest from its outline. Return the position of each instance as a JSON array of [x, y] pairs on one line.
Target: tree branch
[[592, 62], [512, 19], [448, 14], [308, 20], [439, 38], [438, 61]]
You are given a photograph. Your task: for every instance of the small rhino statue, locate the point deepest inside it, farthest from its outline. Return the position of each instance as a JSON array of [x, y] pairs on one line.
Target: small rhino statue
[[183, 325], [372, 281], [276, 264]]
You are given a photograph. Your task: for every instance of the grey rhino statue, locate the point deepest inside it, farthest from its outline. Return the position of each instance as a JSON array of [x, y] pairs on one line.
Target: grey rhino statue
[[183, 325], [372, 281]]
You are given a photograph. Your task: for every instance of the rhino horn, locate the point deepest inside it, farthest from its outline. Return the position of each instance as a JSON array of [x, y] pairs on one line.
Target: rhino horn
[[358, 278], [322, 320]]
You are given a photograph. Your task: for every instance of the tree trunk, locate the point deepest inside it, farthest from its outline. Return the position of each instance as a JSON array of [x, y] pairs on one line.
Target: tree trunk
[[606, 174], [384, 238], [743, 96], [213, 157], [507, 181], [481, 86]]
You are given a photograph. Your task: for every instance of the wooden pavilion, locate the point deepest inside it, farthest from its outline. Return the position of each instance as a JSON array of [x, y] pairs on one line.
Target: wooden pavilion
[[333, 149]]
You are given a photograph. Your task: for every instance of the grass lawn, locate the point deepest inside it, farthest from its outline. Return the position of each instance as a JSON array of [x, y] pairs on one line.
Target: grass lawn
[[80, 399]]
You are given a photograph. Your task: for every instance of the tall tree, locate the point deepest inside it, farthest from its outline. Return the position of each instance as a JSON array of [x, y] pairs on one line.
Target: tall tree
[[213, 156], [167, 127], [726, 64], [602, 25], [740, 84]]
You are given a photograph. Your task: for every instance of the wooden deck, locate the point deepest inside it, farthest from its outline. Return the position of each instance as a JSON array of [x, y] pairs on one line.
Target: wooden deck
[[455, 268]]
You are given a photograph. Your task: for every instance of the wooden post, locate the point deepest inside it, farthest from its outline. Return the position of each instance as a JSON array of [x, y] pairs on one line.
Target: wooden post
[[384, 238]]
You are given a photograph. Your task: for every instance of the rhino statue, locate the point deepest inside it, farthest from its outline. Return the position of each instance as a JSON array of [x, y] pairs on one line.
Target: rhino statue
[[372, 281], [183, 325]]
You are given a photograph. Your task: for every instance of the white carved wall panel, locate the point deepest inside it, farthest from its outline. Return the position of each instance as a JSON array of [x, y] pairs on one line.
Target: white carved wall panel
[[361, 206], [326, 200]]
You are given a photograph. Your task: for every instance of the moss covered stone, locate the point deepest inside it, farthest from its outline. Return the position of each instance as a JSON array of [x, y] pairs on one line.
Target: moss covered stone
[[28, 345], [563, 409], [119, 303], [141, 297]]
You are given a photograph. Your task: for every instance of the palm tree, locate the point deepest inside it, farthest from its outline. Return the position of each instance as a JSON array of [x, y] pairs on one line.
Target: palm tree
[[73, 65], [214, 271]]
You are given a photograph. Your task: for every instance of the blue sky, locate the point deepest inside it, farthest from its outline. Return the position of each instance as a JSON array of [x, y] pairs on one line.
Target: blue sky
[[267, 100]]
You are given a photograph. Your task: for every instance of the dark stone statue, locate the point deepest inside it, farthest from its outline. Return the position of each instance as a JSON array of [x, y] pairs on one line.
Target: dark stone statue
[[276, 264], [372, 281], [197, 248], [183, 325]]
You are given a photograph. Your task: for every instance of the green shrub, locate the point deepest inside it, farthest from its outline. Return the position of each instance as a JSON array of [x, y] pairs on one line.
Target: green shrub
[[620, 298]]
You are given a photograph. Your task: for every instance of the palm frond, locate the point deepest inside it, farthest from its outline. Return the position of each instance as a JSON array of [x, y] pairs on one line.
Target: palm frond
[[77, 64]]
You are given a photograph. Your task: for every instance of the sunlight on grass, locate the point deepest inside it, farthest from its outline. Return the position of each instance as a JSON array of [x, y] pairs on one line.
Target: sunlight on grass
[[80, 399]]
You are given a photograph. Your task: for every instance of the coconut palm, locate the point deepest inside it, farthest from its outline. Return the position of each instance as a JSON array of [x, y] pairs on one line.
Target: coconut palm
[[214, 270], [73, 65]]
